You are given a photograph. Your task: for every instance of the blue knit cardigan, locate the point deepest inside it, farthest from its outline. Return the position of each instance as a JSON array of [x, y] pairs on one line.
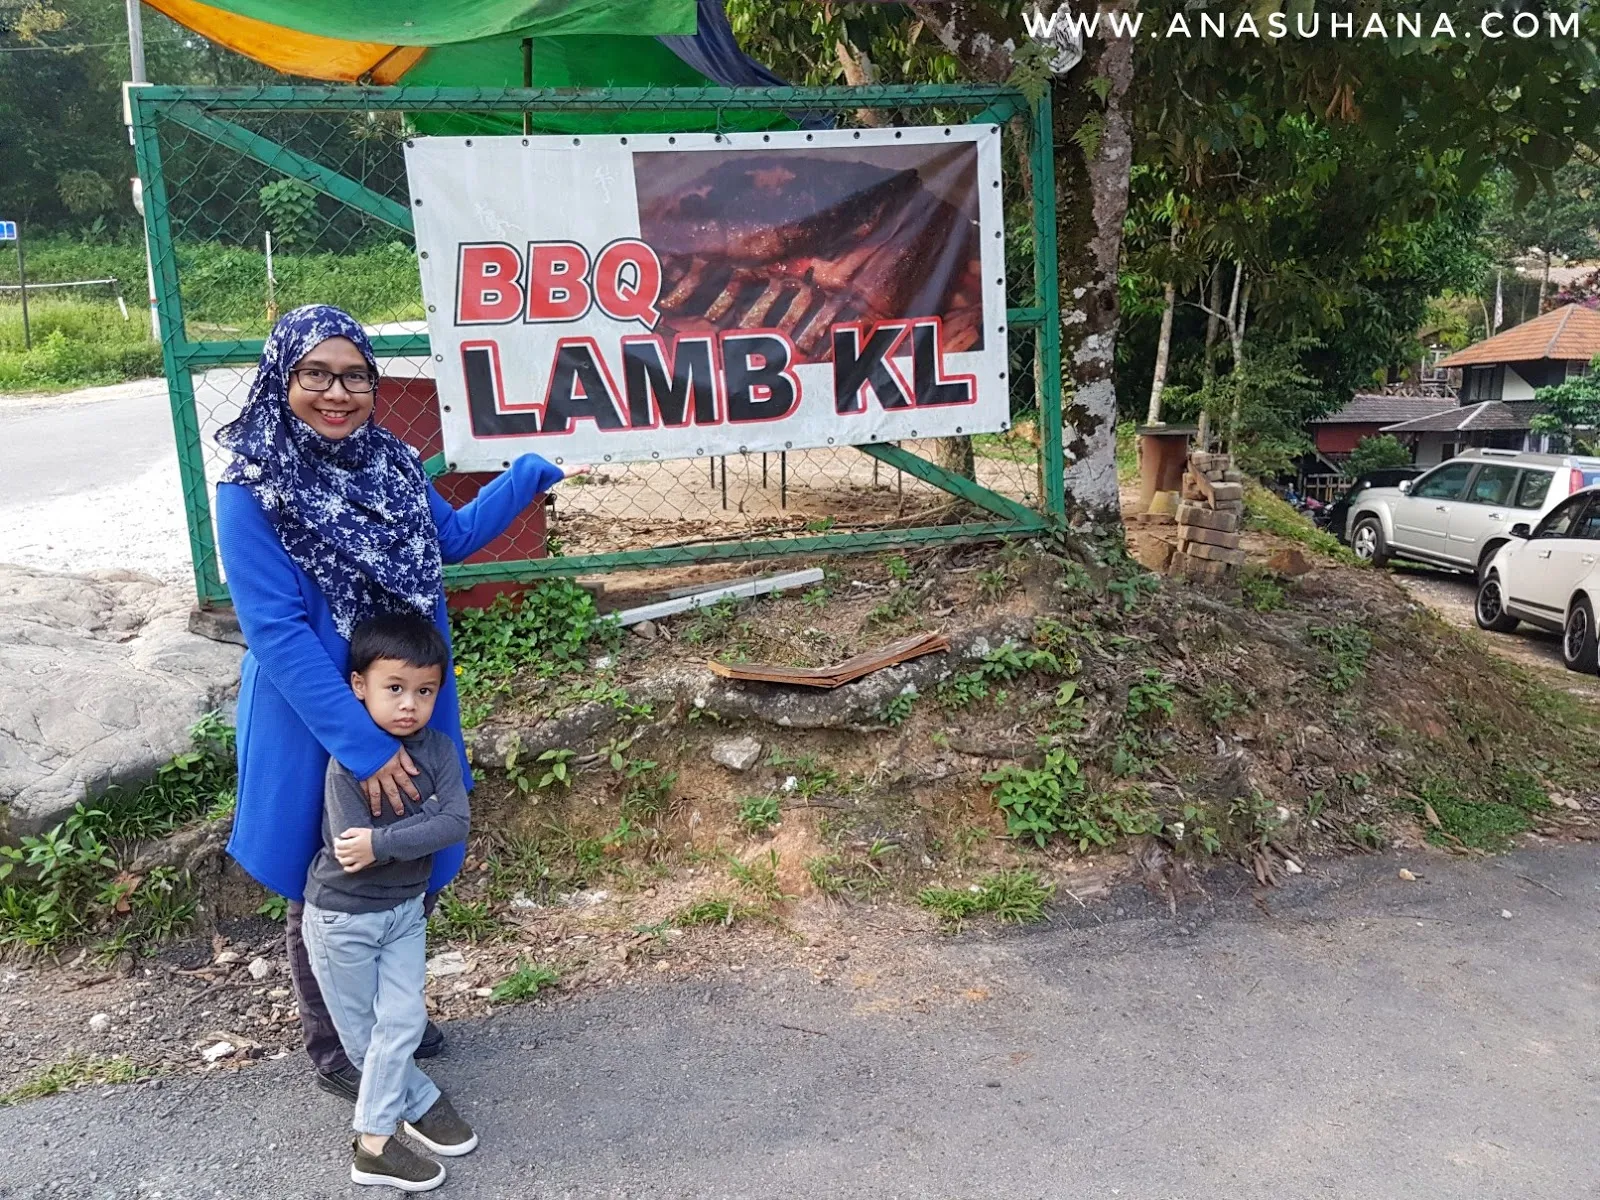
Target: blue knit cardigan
[[295, 703]]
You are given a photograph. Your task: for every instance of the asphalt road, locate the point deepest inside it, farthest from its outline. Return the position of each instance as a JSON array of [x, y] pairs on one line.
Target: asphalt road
[[65, 446], [1353, 1036]]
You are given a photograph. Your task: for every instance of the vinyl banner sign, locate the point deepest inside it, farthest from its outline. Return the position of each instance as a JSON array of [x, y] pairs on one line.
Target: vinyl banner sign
[[614, 299]]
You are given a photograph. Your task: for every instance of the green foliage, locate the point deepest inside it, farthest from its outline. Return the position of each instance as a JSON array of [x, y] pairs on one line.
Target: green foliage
[[1348, 645], [197, 783], [1219, 702], [1374, 453], [1480, 823], [290, 208], [547, 631], [524, 983], [464, 920], [1270, 514], [1150, 696], [1016, 897], [713, 623], [1263, 590], [895, 609], [811, 778], [816, 599], [757, 814], [1001, 665], [1054, 799], [77, 1071], [1572, 411], [713, 910], [895, 710], [759, 876], [274, 909], [899, 570], [55, 882]]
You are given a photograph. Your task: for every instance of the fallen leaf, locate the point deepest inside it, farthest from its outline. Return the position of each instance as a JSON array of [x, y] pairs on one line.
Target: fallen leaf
[[1407, 875], [1432, 817]]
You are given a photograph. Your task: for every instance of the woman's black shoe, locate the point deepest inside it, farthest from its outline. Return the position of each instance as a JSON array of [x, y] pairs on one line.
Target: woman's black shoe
[[432, 1043], [344, 1082]]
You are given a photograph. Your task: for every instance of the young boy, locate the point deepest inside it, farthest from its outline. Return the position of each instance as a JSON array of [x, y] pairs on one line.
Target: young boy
[[364, 924]]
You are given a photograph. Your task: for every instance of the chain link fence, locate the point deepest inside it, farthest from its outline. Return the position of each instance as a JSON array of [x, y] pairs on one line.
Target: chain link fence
[[260, 200]]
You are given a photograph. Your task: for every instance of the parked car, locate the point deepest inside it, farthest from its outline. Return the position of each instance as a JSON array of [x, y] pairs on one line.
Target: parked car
[[1459, 514], [1549, 576], [1337, 518]]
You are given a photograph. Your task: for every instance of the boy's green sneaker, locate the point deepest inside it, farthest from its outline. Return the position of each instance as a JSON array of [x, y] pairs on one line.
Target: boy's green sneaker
[[442, 1130], [399, 1166]]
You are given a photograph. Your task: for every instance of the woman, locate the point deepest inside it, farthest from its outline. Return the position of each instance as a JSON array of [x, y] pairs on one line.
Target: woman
[[325, 518]]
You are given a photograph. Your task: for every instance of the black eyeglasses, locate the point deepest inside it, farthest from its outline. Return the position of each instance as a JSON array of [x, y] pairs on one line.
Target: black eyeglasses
[[315, 379]]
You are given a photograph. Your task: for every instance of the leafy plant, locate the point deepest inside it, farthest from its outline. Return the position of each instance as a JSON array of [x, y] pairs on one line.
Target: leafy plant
[[894, 609], [273, 908], [1054, 798], [1016, 897], [899, 570], [816, 599], [524, 983], [759, 876], [290, 208], [1010, 661], [895, 710], [59, 876], [713, 623], [549, 630], [1263, 590], [464, 920], [1219, 702], [1348, 645], [1152, 694], [810, 777], [757, 814], [713, 910]]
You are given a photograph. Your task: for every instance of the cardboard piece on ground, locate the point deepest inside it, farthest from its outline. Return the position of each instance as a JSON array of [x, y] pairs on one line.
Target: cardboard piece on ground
[[840, 673]]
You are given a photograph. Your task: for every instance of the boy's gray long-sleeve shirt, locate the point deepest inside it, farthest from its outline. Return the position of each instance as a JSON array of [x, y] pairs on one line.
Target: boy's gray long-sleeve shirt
[[402, 847]]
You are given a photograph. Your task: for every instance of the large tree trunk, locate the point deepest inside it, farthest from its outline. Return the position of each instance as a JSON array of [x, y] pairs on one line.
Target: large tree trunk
[[1091, 202], [1236, 334]]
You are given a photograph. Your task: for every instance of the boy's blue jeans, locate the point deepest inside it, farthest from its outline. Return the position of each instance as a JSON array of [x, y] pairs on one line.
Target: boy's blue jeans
[[371, 968]]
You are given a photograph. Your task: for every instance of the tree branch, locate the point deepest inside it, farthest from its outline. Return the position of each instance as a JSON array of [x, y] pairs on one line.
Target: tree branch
[[973, 32]]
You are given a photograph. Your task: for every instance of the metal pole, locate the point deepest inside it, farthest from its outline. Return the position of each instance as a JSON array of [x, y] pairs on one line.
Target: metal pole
[[527, 82], [22, 280], [136, 75]]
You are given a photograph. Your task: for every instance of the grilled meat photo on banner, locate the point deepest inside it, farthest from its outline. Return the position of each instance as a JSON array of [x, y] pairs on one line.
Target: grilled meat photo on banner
[[800, 240]]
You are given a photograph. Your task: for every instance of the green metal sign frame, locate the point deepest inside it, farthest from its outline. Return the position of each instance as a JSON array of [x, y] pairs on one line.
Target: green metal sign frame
[[204, 112]]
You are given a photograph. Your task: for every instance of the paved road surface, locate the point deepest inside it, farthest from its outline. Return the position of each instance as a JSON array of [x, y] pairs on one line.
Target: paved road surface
[[62, 446], [1370, 1039]]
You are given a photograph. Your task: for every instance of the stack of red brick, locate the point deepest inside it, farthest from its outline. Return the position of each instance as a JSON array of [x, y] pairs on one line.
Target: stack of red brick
[[1209, 518]]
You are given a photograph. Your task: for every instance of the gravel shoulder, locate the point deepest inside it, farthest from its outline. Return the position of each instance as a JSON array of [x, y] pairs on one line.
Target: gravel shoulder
[[1351, 1035]]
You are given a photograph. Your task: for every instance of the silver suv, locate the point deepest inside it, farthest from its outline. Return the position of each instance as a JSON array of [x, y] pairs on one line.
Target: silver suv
[[1461, 512]]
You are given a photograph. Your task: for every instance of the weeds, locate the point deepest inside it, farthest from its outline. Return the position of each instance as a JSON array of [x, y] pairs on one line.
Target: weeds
[[524, 983], [900, 604], [199, 782], [556, 769], [1218, 701], [895, 710], [58, 880], [713, 910], [816, 599], [274, 909], [1002, 665], [464, 920], [1016, 897], [1040, 803], [759, 876], [77, 1071], [712, 624], [1263, 590], [757, 814], [808, 777], [1348, 645], [1454, 819], [1266, 512]]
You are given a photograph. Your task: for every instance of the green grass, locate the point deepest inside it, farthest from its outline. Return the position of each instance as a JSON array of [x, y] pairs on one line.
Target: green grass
[[82, 341], [714, 910], [757, 814], [76, 1071], [524, 983], [1014, 897], [1268, 514], [1478, 823]]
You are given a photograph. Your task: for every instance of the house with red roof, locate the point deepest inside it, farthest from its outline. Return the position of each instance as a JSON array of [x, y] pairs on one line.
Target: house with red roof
[[1493, 405]]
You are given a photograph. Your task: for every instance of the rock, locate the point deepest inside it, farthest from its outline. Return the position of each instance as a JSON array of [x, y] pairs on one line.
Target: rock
[[99, 1023], [1506, 913], [100, 680], [1288, 561], [217, 624], [737, 754], [451, 962], [647, 630], [259, 968], [1407, 876], [1292, 867]]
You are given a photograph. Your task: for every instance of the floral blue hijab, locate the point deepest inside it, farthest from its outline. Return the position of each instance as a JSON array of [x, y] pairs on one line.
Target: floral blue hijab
[[352, 513]]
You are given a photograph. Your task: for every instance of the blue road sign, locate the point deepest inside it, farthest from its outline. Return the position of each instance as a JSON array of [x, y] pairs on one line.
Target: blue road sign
[[8, 231]]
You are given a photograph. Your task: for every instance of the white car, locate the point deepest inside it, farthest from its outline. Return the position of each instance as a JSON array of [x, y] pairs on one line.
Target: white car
[[1549, 575], [1460, 513]]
